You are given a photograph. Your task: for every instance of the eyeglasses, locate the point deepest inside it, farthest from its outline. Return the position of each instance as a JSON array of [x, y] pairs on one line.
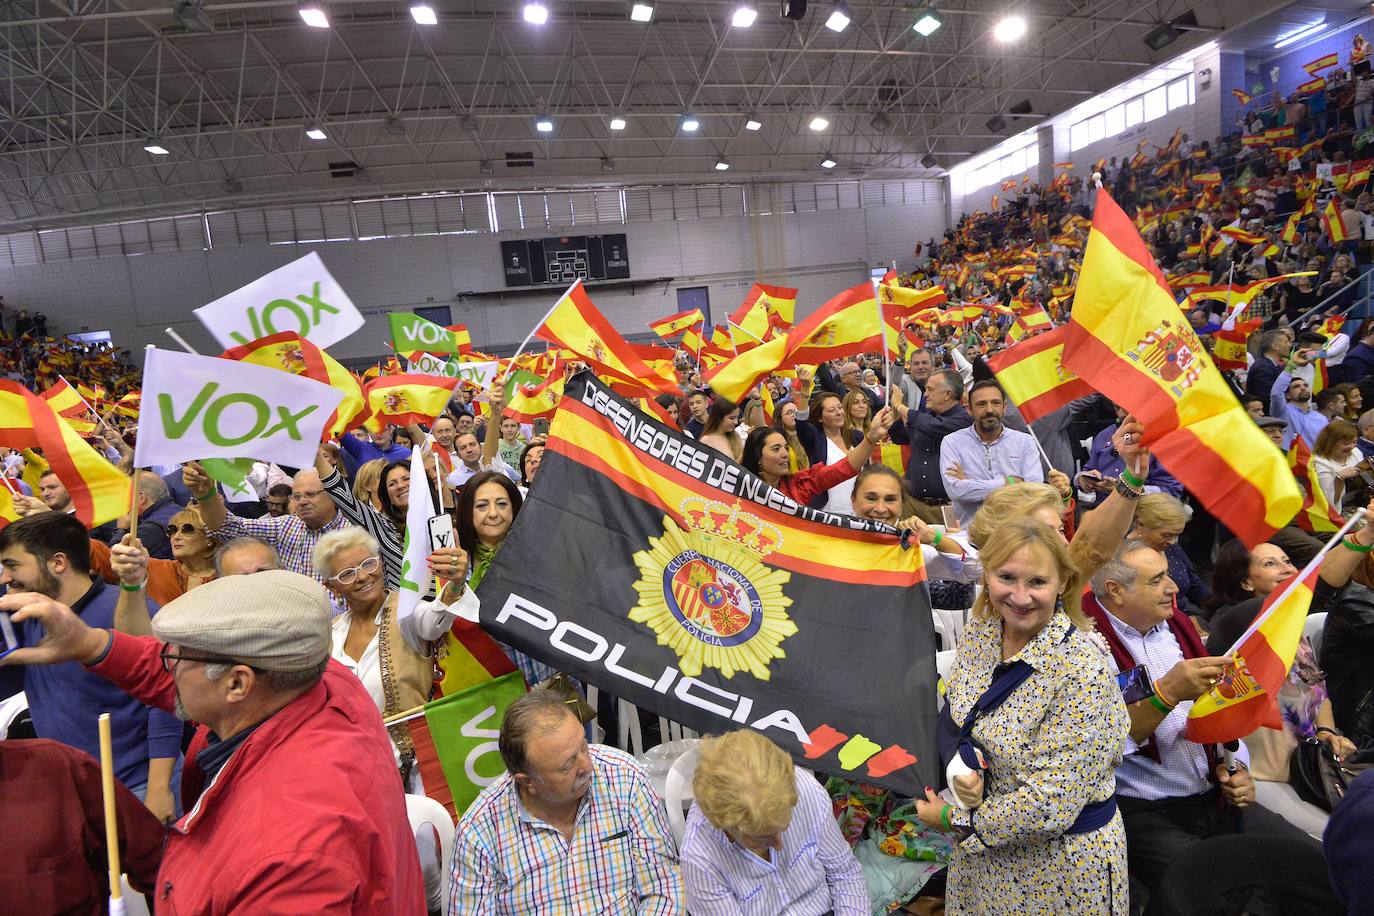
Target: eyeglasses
[[185, 528], [169, 658], [350, 575], [308, 494]]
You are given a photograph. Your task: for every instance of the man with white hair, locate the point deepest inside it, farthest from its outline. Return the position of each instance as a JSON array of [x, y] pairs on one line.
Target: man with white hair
[[155, 510], [294, 536]]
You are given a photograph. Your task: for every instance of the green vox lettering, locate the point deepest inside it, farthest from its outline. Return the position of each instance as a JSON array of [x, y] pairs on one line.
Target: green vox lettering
[[211, 411], [286, 315]]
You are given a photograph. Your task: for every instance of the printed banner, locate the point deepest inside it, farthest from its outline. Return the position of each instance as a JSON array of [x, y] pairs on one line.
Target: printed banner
[[479, 375], [300, 296], [666, 574], [206, 407]]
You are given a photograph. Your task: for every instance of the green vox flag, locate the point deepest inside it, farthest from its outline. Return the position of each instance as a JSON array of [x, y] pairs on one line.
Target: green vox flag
[[455, 741], [412, 334], [233, 473]]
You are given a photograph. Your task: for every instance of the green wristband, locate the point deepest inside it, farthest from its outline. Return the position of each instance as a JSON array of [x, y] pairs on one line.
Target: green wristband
[[123, 587], [1157, 703], [944, 817], [1358, 548], [1132, 481], [938, 537]]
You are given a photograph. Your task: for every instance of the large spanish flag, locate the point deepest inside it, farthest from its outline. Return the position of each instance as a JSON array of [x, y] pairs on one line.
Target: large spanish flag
[[1325, 62], [69, 405], [1228, 344], [673, 325], [289, 352], [847, 324], [1127, 339], [404, 399], [1246, 696], [1033, 374], [688, 586], [575, 324], [1333, 223], [766, 307], [901, 305], [1316, 513], [99, 490]]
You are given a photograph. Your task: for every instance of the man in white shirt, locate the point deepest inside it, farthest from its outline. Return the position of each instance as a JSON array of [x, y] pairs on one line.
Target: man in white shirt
[[980, 458]]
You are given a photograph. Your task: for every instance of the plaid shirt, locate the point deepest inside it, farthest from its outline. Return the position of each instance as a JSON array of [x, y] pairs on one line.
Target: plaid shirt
[[621, 858], [293, 541]]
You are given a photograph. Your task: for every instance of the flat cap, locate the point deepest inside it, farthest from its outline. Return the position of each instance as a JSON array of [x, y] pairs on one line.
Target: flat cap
[[273, 620], [1270, 422]]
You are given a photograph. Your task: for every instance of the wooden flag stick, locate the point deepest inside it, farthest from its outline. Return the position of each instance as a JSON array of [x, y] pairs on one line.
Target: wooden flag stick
[[9, 486], [107, 426], [133, 505], [107, 779], [413, 713]]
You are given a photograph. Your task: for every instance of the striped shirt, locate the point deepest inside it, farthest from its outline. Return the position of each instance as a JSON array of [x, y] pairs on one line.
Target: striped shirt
[[621, 858], [814, 872]]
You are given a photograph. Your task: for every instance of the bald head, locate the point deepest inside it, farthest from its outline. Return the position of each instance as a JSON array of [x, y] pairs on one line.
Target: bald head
[[309, 502]]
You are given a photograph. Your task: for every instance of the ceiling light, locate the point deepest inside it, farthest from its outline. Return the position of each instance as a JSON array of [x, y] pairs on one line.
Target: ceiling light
[[156, 148], [1306, 31], [819, 123], [607, 165], [690, 123], [617, 123], [544, 124], [191, 14], [722, 165], [752, 123], [312, 14], [394, 126], [839, 18], [423, 14], [1009, 28], [642, 12], [536, 13], [486, 167], [828, 163], [743, 17], [316, 133], [928, 22]]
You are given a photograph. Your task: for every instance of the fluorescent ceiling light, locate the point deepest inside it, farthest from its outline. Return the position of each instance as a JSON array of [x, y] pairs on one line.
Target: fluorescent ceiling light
[[642, 12], [536, 13], [157, 149], [927, 23], [828, 163], [1306, 31], [312, 14], [752, 124], [722, 165], [617, 123], [423, 14], [819, 123], [743, 17], [315, 133], [839, 18], [690, 123], [544, 124], [1009, 28]]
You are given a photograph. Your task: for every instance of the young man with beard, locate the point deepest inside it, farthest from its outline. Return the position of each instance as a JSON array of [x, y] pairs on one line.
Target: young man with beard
[[980, 458], [1291, 399], [49, 554]]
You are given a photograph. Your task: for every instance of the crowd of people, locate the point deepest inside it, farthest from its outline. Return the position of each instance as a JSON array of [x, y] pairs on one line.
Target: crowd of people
[[249, 648]]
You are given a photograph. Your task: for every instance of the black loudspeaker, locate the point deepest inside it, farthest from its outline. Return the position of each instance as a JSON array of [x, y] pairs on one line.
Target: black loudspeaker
[[929, 160], [996, 123], [1022, 107], [793, 9]]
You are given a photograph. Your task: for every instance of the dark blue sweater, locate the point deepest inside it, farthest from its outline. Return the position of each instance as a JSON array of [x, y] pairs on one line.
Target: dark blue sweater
[[66, 701]]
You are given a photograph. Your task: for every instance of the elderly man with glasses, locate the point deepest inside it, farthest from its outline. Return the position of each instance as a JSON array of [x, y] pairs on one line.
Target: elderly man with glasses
[[297, 808]]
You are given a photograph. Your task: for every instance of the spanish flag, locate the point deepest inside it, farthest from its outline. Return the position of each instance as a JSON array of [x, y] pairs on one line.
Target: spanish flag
[[688, 586], [69, 406], [289, 352], [1316, 514], [531, 402], [673, 325], [1241, 96], [1332, 222], [575, 324], [846, 325], [462, 337], [400, 400], [1246, 697], [1240, 235], [1313, 85], [128, 406], [1196, 278], [1127, 339], [765, 308], [1034, 377], [1067, 166], [1290, 228], [1228, 345], [1325, 62], [99, 491], [1207, 178], [902, 304]]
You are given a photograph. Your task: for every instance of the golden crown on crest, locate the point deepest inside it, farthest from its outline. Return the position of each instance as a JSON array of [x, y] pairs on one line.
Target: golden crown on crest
[[729, 523]]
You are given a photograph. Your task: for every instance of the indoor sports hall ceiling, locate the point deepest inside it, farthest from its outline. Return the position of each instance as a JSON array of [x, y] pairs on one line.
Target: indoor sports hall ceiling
[[92, 90]]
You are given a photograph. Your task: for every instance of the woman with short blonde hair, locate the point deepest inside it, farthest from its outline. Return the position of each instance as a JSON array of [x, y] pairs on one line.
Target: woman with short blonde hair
[[1159, 521], [762, 838]]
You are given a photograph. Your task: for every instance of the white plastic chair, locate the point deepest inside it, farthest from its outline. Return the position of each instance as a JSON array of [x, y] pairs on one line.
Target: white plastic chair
[[677, 792], [428, 820], [11, 708], [944, 665], [1312, 628]]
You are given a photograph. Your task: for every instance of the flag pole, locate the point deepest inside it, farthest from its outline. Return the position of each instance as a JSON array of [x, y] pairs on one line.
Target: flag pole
[[438, 472], [1036, 439], [180, 341], [414, 712], [540, 323], [111, 817], [86, 405], [882, 331], [133, 504], [9, 486]]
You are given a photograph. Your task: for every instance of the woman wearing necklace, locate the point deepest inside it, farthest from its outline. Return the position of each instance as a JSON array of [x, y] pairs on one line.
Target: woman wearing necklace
[[192, 563], [393, 656]]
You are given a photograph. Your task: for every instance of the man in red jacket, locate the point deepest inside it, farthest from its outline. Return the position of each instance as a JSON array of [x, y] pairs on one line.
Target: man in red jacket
[[302, 810]]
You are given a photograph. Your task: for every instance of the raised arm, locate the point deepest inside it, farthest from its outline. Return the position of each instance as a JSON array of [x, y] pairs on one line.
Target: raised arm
[[860, 454]]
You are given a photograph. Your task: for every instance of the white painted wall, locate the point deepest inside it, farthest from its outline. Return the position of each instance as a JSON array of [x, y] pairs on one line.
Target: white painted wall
[[822, 253]]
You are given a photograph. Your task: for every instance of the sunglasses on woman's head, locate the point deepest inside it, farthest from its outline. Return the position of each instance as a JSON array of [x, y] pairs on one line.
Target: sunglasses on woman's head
[[184, 528]]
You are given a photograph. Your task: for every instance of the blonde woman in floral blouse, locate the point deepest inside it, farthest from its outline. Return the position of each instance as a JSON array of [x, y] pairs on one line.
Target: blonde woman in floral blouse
[[1033, 765]]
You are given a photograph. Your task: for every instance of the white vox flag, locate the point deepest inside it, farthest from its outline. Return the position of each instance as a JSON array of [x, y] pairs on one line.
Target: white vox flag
[[416, 580], [206, 407], [300, 296]]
